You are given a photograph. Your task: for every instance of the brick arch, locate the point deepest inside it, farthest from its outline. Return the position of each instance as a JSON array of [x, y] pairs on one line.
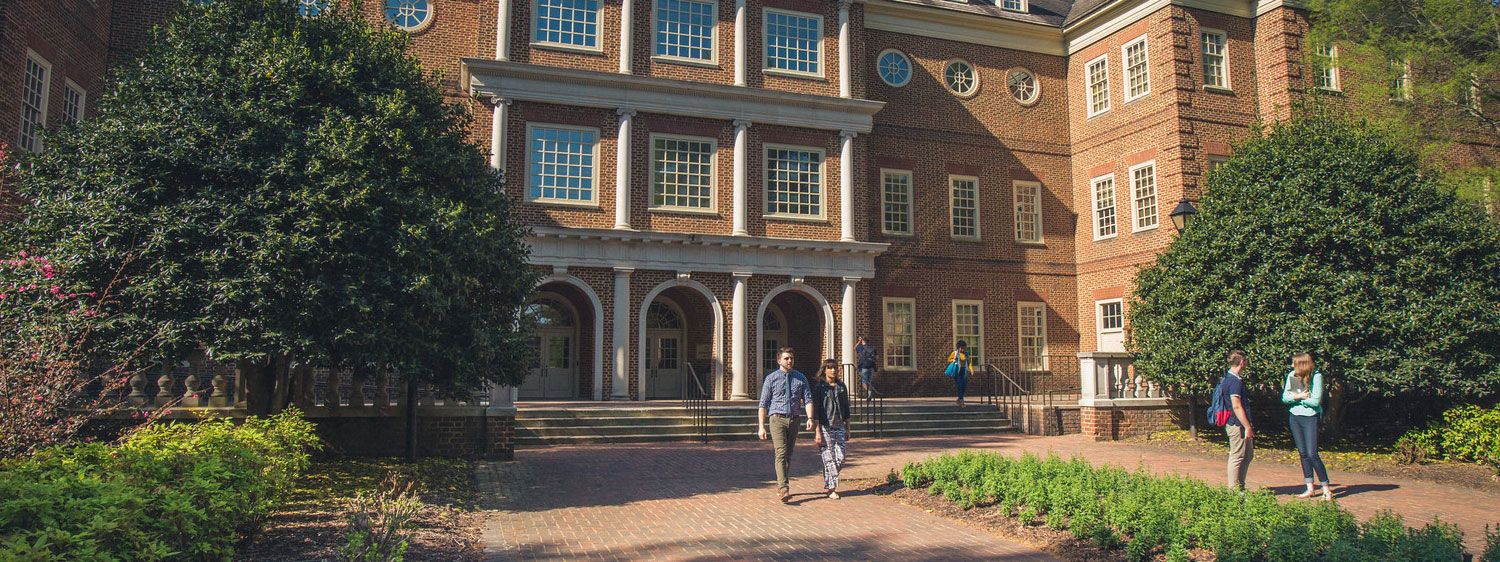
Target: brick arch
[[717, 350], [595, 315], [818, 302]]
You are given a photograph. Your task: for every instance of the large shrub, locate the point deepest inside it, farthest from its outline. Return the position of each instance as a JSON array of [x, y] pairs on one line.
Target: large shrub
[[1466, 434], [1324, 236], [167, 492]]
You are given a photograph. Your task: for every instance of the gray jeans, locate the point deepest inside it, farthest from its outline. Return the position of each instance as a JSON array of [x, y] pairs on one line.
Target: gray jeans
[[1241, 451]]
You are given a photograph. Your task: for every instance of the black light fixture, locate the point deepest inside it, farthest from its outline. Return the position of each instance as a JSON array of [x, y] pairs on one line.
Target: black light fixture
[[1180, 215]]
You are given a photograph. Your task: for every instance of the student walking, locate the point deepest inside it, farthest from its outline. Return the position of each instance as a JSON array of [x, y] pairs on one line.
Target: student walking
[[831, 410], [865, 354], [783, 394], [1304, 391], [958, 368], [1241, 433]]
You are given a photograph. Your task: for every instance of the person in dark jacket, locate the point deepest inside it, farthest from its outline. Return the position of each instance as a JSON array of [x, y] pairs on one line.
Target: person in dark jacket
[[831, 410]]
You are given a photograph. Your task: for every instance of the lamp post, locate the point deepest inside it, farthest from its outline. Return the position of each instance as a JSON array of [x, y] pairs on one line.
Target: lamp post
[[1181, 216]]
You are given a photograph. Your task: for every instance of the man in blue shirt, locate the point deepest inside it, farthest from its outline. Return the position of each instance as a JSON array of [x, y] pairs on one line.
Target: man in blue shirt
[[1241, 445], [783, 394]]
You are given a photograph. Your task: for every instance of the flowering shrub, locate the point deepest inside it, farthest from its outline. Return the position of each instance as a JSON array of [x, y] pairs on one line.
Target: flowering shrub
[[46, 323]]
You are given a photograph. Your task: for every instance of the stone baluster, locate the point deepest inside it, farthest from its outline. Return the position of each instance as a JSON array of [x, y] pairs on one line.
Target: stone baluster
[[137, 389], [307, 392], [1117, 384], [383, 389], [400, 390], [428, 399], [164, 384], [190, 395], [220, 384], [357, 392], [333, 396]]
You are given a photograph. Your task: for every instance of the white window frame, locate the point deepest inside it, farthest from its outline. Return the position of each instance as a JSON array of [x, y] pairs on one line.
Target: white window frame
[[1223, 58], [41, 124], [944, 78], [593, 201], [1021, 312], [1094, 208], [953, 208], [1329, 67], [885, 192], [765, 39], [713, 37], [765, 183], [885, 333], [1136, 213], [713, 176], [1016, 187], [1145, 69], [911, 69], [1099, 315], [1014, 6], [975, 359], [598, 32], [1088, 85], [83, 97]]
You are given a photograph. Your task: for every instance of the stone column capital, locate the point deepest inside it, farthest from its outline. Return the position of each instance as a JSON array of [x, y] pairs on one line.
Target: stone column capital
[[742, 124], [625, 112]]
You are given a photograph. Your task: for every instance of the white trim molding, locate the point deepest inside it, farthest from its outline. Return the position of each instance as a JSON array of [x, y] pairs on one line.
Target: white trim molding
[[586, 88], [704, 253]]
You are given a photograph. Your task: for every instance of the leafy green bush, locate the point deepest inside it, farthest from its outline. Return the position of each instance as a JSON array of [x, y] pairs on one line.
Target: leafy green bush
[[381, 523], [1145, 513], [1465, 434], [167, 492], [1491, 544]]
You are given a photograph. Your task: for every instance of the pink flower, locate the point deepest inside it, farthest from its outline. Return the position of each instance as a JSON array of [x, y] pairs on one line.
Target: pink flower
[[2, 296], [23, 253], [91, 293], [56, 289], [38, 398]]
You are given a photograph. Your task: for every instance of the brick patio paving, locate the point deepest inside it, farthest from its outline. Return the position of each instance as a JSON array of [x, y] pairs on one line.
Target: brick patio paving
[[717, 501]]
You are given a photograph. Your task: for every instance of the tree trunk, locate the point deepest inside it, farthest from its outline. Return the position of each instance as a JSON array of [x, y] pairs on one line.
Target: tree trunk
[[267, 385], [281, 392], [1192, 415], [411, 419], [1334, 408]]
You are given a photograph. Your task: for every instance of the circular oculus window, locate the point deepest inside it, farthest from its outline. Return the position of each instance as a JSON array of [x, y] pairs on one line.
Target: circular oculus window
[[961, 78], [409, 15], [894, 68], [1023, 86], [312, 8]]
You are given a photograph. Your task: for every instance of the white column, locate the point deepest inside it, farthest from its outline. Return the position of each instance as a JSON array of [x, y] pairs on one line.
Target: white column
[[847, 353], [844, 48], [846, 185], [621, 336], [626, 15], [739, 339], [622, 169], [497, 133], [741, 178], [502, 31], [739, 43]]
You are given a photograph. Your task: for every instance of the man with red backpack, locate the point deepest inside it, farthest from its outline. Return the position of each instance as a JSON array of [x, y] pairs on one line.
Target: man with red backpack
[[1230, 408]]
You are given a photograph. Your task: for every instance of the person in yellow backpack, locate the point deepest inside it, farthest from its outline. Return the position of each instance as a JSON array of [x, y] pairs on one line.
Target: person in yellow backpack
[[958, 368]]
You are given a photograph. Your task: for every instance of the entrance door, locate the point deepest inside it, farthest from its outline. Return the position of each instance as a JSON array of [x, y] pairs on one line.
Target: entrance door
[[664, 343], [555, 373], [774, 339]]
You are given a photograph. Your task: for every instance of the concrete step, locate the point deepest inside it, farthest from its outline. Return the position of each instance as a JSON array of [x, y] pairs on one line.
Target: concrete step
[[537, 441]]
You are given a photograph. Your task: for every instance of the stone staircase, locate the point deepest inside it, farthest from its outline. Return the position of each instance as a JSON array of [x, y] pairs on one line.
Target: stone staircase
[[538, 424]]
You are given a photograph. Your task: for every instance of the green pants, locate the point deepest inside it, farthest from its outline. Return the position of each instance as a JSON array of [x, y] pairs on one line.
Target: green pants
[[783, 438]]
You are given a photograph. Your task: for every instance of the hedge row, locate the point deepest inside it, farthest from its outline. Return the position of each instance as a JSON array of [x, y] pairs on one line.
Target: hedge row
[[166, 492], [1149, 514], [1464, 434]]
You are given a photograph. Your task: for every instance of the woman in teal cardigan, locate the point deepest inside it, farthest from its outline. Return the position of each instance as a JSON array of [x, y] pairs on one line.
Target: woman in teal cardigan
[[1304, 391]]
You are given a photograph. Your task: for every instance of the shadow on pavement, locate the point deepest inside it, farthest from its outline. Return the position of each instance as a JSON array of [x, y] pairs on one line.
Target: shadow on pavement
[[868, 547]]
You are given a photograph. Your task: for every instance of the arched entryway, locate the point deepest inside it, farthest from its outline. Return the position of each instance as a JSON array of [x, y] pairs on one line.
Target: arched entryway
[[664, 350], [681, 336], [554, 324], [774, 324], [805, 323]]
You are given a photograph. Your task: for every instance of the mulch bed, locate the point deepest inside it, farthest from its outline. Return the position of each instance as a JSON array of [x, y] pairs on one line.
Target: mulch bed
[[311, 526]]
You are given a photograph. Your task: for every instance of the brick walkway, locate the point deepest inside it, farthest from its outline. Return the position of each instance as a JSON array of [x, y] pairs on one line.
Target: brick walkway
[[714, 502]]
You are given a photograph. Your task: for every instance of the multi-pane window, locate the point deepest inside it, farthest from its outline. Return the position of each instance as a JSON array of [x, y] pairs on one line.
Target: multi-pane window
[[685, 29], [961, 78], [34, 102], [409, 15], [73, 100], [1104, 207], [1215, 59], [1215, 162], [1098, 74], [1326, 58], [1033, 332], [561, 163], [1143, 190], [1023, 86], [1137, 70], [968, 327], [1111, 316], [567, 22], [1400, 80], [312, 8], [682, 173], [964, 191], [894, 68], [794, 42], [900, 334], [896, 207], [1028, 211], [794, 181], [1014, 5]]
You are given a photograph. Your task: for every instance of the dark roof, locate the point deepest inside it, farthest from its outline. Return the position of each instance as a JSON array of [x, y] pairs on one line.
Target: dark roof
[[1051, 13]]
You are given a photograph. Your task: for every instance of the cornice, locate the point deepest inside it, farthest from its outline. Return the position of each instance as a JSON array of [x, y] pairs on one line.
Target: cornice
[[965, 27], [674, 251], [526, 82]]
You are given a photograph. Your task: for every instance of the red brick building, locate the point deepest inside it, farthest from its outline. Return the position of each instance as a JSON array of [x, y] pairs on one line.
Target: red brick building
[[708, 180]]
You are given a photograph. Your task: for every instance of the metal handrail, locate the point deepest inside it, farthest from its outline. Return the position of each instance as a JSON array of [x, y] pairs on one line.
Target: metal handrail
[[868, 407], [695, 401]]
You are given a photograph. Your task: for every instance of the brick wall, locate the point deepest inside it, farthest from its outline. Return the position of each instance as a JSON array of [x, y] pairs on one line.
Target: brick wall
[[463, 436], [1121, 422], [71, 35]]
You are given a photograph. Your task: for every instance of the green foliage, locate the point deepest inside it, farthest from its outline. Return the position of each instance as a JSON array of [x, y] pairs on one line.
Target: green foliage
[[381, 522], [167, 492], [1465, 434], [1144, 513], [1325, 236], [267, 183], [1491, 544]]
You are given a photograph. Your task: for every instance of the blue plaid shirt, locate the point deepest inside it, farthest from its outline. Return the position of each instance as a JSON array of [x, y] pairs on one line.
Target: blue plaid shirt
[[773, 395]]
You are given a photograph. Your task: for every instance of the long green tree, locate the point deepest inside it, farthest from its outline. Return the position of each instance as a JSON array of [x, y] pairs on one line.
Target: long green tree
[[271, 186], [1428, 71], [1325, 236]]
